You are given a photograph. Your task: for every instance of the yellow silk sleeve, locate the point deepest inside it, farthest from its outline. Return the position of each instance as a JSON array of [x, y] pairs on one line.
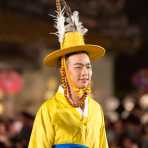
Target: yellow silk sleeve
[[42, 135], [103, 138]]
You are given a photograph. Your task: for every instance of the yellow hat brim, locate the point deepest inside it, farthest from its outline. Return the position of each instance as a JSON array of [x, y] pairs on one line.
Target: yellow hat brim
[[94, 52]]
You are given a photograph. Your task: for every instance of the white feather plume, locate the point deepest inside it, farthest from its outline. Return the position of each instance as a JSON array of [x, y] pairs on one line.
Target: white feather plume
[[60, 26], [74, 24], [69, 23], [77, 23]]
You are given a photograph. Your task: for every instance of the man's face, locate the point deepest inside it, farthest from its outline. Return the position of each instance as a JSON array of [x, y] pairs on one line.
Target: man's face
[[80, 70]]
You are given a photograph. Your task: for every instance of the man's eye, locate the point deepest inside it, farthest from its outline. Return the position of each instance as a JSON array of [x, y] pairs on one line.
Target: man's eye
[[89, 67]]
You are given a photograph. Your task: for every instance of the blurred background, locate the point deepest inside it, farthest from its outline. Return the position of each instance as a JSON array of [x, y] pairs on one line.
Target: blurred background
[[121, 77]]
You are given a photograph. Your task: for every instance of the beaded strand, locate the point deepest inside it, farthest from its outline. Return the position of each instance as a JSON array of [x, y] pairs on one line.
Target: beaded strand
[[67, 89]]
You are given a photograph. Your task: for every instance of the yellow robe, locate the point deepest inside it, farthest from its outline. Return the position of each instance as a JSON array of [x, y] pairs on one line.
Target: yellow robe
[[57, 122]]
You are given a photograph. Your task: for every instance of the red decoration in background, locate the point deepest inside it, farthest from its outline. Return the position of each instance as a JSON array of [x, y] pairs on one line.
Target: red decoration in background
[[10, 82]]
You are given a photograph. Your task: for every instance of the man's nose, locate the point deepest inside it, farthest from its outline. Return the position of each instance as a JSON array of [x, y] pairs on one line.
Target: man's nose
[[84, 70]]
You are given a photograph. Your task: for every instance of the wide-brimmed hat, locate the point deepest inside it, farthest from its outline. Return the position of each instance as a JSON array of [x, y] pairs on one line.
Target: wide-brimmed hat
[[74, 42], [71, 37]]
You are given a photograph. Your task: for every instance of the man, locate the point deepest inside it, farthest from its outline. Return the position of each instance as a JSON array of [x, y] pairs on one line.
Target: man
[[71, 118]]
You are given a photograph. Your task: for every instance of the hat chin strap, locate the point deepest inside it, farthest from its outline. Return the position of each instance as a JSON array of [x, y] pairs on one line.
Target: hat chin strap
[[69, 85]]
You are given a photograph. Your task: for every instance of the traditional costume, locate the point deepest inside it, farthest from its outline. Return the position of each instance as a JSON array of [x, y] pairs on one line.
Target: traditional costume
[[62, 122]]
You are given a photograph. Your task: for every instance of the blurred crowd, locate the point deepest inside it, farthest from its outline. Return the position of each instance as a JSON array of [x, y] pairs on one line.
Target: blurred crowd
[[127, 130], [15, 133]]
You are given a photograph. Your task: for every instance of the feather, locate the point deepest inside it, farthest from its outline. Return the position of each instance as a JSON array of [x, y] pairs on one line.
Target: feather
[[78, 24], [58, 7], [67, 8], [60, 26], [59, 20], [68, 23], [74, 24]]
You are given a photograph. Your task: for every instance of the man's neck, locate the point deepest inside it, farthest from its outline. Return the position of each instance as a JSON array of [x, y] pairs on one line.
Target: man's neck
[[74, 95]]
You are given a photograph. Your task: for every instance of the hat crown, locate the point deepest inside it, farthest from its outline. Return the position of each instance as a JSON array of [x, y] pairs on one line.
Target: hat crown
[[72, 39]]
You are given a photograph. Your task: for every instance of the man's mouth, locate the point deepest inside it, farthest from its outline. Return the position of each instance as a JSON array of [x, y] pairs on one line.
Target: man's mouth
[[84, 80]]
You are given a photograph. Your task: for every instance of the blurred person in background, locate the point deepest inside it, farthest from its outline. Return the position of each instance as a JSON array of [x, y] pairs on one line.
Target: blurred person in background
[[71, 118], [133, 126], [144, 141], [25, 132], [4, 140], [128, 142], [21, 130], [14, 128]]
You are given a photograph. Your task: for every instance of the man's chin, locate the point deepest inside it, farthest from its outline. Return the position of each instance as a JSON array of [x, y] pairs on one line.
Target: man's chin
[[83, 86]]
